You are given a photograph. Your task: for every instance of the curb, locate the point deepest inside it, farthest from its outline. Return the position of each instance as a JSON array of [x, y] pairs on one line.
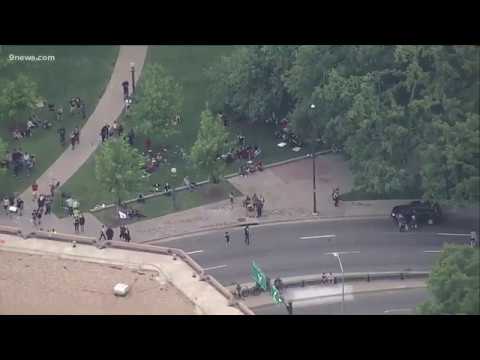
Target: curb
[[310, 219]]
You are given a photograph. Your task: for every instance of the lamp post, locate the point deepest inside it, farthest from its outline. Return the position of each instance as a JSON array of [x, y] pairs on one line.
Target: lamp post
[[337, 255], [312, 106], [132, 70], [173, 172]]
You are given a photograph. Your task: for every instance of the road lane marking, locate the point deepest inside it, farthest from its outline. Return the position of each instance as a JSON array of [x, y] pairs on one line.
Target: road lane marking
[[215, 267], [396, 310], [449, 234], [335, 253], [317, 237], [194, 252], [432, 251]]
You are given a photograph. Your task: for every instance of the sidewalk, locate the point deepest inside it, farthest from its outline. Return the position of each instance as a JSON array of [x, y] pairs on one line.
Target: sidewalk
[[326, 291], [108, 109], [207, 299]]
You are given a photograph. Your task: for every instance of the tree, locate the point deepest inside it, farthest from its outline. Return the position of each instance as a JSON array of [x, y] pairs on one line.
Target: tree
[[3, 149], [159, 101], [18, 97], [249, 83], [454, 283], [119, 168], [211, 142]]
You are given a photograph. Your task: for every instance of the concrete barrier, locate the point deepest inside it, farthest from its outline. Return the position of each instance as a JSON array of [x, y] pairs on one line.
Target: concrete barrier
[[316, 279], [301, 281], [11, 230], [61, 237]]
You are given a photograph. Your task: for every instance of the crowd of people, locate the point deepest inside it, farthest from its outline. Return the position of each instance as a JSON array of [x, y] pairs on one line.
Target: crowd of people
[[17, 161], [253, 204]]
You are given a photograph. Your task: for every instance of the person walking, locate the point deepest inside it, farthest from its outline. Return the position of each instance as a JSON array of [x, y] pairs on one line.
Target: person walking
[[231, 197], [81, 221], [246, 231], [102, 233], [76, 224], [34, 191], [125, 90], [109, 233], [227, 238]]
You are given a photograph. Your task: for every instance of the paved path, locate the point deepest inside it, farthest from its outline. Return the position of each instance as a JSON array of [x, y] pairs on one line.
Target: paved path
[[108, 109]]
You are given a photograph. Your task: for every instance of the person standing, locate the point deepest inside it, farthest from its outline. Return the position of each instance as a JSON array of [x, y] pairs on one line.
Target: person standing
[[83, 110], [104, 133], [259, 208], [231, 197], [6, 203], [76, 133], [102, 233], [59, 113], [72, 140], [131, 137], [20, 206], [246, 231], [125, 89], [61, 133], [109, 233], [34, 217], [127, 235], [34, 191], [76, 224], [227, 238], [81, 221]]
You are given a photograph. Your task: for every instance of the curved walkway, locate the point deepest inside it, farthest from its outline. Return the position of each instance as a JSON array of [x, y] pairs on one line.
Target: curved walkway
[[108, 109]]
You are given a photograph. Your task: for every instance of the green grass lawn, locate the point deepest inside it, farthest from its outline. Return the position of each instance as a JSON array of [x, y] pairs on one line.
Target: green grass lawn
[[186, 64], [82, 71], [163, 205]]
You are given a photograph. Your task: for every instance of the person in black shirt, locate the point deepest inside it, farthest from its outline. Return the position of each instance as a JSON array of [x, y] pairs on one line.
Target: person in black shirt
[[109, 233]]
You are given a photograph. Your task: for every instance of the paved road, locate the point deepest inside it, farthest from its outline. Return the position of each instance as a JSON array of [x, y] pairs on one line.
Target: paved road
[[394, 302], [281, 251]]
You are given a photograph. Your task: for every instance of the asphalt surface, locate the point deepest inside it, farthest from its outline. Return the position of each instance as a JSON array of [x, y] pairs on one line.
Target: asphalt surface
[[393, 302], [281, 252]]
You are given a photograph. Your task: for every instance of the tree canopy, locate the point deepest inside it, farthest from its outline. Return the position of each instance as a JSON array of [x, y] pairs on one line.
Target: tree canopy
[[406, 115], [119, 168], [211, 142], [18, 97], [159, 100], [454, 283]]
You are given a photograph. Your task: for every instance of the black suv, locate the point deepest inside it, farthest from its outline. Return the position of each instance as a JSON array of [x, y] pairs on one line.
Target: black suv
[[424, 211]]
